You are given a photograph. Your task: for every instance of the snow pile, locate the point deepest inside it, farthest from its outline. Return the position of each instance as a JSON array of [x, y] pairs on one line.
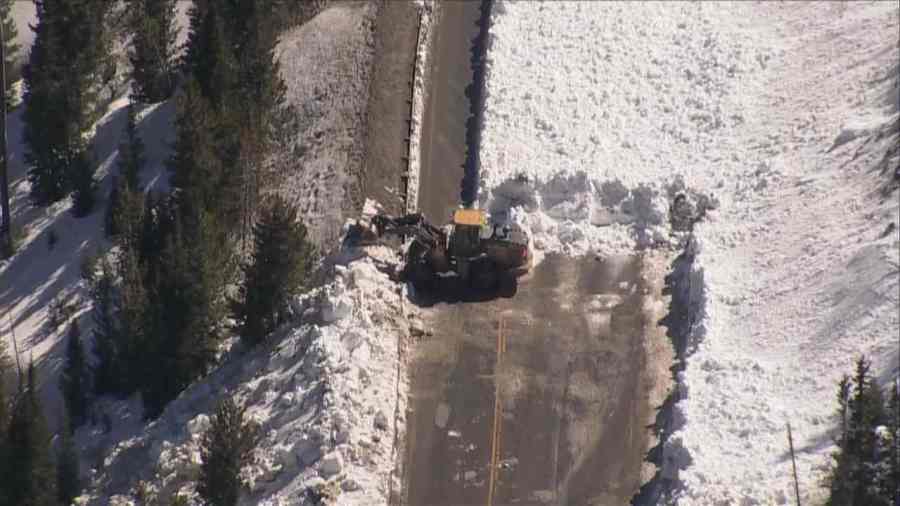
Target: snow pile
[[419, 99], [327, 393], [326, 65], [783, 120]]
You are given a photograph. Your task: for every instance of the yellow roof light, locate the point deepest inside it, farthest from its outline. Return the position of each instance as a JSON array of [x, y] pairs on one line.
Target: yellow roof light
[[475, 217]]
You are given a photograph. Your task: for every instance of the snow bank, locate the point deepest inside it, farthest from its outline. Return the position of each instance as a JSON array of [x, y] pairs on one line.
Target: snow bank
[[779, 116], [328, 392]]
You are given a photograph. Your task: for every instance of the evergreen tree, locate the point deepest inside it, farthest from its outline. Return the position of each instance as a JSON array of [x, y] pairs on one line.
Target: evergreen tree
[[74, 380], [108, 369], [134, 323], [113, 207], [152, 52], [226, 447], [30, 474], [124, 213], [860, 468], [231, 55], [193, 271], [67, 468], [4, 420], [889, 485], [67, 59], [5, 367], [280, 263], [208, 58], [10, 34], [84, 185], [131, 151], [195, 167], [43, 134], [290, 13]]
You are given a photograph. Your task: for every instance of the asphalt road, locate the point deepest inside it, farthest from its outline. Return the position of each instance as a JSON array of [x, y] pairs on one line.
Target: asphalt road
[[537, 399], [447, 109]]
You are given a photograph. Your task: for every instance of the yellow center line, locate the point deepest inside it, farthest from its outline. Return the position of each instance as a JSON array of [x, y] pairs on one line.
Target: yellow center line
[[495, 430]]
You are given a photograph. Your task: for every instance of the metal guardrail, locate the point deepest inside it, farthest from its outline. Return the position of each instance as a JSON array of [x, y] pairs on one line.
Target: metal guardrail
[[405, 175]]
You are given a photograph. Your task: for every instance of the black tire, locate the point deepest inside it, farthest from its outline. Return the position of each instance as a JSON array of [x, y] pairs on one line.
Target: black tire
[[421, 276], [483, 276], [508, 284]]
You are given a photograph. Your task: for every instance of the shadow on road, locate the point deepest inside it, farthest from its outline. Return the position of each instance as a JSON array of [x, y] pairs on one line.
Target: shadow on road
[[453, 290]]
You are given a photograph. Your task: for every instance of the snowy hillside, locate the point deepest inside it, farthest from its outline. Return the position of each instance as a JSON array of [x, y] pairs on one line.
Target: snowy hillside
[[329, 396], [326, 66], [36, 275], [327, 392], [783, 115]]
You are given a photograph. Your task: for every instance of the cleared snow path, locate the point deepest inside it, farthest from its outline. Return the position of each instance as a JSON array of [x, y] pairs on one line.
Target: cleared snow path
[[597, 112]]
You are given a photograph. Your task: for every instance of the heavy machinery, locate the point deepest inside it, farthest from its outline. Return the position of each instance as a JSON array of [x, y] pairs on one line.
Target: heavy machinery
[[482, 254]]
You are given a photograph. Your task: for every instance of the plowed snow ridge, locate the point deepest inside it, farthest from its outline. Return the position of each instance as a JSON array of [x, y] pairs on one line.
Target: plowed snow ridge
[[783, 112]]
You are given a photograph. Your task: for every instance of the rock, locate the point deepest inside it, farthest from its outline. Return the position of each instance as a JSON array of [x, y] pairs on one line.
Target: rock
[[335, 309], [198, 424], [308, 453], [349, 485], [381, 422], [331, 465], [417, 328]]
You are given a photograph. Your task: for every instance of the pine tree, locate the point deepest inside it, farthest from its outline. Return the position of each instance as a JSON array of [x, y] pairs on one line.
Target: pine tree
[[226, 446], [152, 52], [194, 269], [208, 57], [131, 151], [860, 465], [67, 467], [84, 185], [108, 369], [124, 214], [195, 167], [134, 323], [10, 34], [280, 264], [44, 98], [4, 420], [62, 83], [30, 473], [74, 380], [889, 485], [5, 367]]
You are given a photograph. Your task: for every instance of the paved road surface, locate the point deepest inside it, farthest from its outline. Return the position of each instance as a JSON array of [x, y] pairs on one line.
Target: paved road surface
[[534, 399], [444, 124], [537, 399]]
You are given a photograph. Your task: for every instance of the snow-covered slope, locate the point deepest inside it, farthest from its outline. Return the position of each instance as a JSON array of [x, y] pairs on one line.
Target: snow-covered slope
[[36, 274], [597, 112], [326, 64], [328, 391]]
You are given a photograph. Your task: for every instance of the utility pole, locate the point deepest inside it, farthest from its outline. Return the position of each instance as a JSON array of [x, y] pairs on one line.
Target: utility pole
[[5, 225]]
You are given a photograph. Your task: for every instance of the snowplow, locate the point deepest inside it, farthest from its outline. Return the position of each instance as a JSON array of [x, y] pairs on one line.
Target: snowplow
[[481, 254]]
